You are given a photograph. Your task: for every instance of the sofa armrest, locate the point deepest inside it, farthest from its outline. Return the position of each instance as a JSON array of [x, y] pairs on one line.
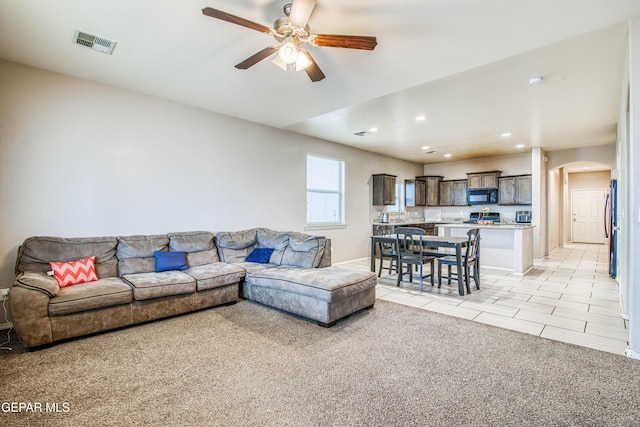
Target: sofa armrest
[[29, 309], [38, 282]]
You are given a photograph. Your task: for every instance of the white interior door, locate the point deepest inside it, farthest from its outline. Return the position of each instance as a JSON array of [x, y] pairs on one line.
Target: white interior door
[[588, 215]]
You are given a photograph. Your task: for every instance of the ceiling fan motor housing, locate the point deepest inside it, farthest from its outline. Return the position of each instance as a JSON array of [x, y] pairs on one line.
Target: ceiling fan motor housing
[[282, 28]]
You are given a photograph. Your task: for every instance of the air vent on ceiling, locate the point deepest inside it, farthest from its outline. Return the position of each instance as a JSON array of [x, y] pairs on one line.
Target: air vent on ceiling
[[362, 133], [94, 42]]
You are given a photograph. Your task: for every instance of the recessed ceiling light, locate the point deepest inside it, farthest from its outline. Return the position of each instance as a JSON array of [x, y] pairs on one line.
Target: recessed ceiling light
[[447, 155], [536, 80], [586, 168], [425, 148], [520, 146], [373, 130], [506, 134], [421, 118]]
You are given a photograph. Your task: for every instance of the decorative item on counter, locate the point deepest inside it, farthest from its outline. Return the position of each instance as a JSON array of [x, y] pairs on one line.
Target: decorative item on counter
[[485, 210]]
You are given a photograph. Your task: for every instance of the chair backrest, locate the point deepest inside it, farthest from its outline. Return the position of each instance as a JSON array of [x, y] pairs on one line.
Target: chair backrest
[[473, 243], [410, 239], [384, 247]]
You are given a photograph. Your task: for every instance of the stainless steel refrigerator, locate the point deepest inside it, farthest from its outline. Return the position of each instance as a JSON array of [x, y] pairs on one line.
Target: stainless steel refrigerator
[[611, 226]]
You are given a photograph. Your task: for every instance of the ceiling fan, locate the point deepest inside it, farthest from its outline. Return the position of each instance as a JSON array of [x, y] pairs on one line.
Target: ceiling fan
[[292, 33]]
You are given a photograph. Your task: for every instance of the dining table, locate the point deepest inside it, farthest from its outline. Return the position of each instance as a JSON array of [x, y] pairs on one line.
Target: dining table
[[457, 243]]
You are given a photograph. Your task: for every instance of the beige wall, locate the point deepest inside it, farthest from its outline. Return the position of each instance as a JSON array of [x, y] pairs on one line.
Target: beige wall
[[83, 159], [603, 154], [587, 180], [517, 164]]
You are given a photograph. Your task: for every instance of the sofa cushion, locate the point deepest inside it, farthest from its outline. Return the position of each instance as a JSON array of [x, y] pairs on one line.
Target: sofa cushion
[[198, 245], [156, 285], [275, 240], [252, 267], [235, 246], [209, 256], [74, 272], [167, 261], [35, 253], [135, 253], [215, 275], [327, 284], [303, 250], [102, 293]]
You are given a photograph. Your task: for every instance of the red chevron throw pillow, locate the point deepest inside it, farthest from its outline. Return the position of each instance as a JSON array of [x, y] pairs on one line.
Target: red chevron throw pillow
[[72, 273]]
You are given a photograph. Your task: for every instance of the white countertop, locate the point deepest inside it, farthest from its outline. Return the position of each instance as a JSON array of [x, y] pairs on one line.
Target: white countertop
[[406, 222], [517, 226]]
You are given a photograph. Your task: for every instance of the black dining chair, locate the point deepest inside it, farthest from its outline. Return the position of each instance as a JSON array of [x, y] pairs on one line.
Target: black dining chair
[[411, 252], [470, 259], [387, 251]]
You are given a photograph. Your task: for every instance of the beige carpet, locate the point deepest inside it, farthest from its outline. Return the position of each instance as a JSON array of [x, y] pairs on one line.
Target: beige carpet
[[248, 365]]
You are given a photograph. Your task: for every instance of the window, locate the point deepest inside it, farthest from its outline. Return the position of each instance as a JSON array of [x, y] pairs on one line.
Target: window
[[325, 191]]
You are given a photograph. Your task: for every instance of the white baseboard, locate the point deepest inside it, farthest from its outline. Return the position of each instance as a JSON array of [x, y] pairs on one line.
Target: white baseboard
[[631, 354]]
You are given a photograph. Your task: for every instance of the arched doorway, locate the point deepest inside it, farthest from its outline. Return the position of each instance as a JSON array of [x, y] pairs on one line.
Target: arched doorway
[[576, 203]]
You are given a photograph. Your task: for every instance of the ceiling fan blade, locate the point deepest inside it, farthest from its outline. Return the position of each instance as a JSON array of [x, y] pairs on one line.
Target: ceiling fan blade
[[253, 60], [349, 42], [218, 14], [313, 71], [301, 11]]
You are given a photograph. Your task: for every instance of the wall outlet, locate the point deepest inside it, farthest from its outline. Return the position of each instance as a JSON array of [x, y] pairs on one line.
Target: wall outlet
[[4, 294]]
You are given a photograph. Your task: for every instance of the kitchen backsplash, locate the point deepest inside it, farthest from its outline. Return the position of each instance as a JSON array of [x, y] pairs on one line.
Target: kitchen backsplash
[[445, 214]]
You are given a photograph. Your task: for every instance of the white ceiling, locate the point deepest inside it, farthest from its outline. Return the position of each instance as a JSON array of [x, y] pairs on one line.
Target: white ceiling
[[465, 64]]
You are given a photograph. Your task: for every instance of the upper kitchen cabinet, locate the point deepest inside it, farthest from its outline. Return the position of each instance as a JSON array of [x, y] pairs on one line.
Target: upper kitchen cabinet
[[384, 189], [433, 189], [515, 190], [483, 180], [453, 193], [415, 192]]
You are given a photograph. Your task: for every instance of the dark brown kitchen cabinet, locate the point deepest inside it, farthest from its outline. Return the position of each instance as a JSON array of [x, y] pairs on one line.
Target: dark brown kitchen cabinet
[[384, 189], [515, 190], [453, 193], [415, 192], [429, 228], [483, 179], [433, 189]]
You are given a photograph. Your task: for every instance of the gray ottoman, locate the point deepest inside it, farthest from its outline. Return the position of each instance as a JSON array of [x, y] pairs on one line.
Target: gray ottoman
[[322, 294]]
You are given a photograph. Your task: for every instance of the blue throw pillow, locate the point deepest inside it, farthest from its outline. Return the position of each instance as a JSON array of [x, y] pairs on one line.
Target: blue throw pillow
[[166, 261], [260, 255]]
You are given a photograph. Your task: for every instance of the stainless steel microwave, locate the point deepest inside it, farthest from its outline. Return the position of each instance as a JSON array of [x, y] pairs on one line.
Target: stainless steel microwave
[[482, 196]]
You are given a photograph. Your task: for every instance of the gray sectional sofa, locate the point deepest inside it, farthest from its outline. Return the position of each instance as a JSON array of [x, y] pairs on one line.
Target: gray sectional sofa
[[296, 277]]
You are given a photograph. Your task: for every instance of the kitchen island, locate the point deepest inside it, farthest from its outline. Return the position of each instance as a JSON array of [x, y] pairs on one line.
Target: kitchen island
[[502, 246]]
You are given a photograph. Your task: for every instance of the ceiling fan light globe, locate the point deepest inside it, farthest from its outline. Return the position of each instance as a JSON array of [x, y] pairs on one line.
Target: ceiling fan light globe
[[302, 61], [288, 53], [279, 62]]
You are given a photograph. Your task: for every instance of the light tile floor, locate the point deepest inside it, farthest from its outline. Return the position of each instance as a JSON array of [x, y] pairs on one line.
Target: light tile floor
[[568, 297]]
